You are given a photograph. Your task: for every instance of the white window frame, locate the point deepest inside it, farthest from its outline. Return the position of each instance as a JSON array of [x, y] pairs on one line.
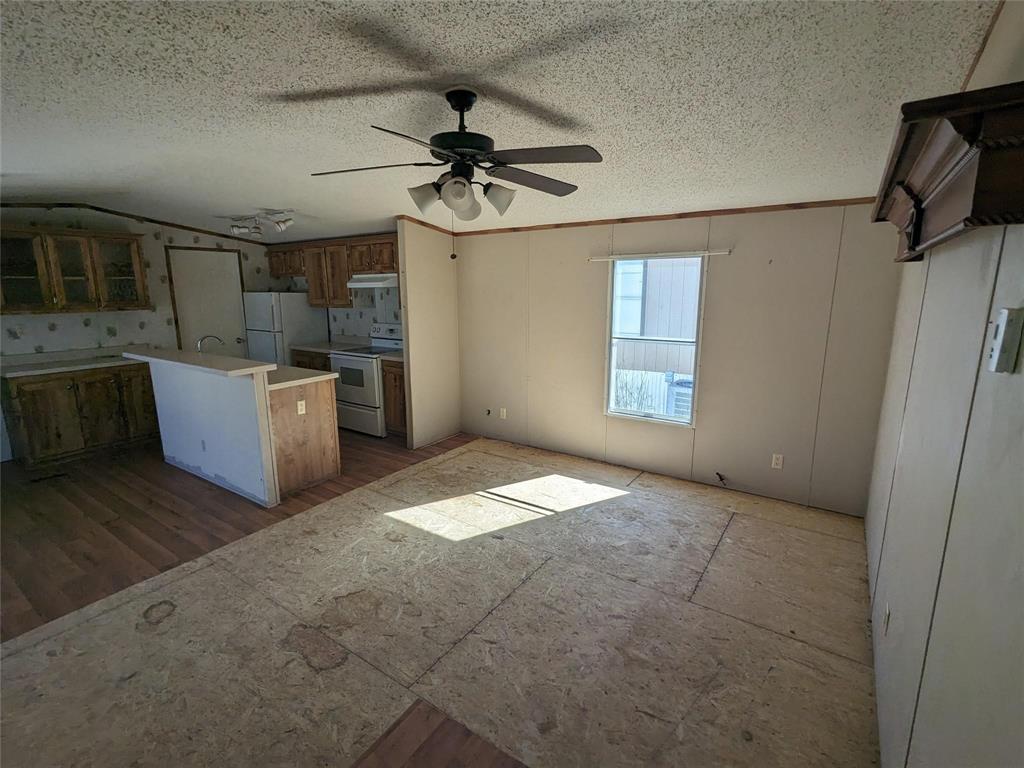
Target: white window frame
[[648, 419]]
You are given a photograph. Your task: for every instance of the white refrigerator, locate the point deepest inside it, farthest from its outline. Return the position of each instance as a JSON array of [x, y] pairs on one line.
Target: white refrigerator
[[274, 322]]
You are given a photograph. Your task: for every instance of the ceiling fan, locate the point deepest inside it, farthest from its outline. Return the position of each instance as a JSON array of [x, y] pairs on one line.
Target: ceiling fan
[[467, 152]]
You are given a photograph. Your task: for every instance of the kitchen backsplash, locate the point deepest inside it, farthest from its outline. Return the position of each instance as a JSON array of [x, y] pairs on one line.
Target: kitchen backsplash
[[28, 333], [379, 305]]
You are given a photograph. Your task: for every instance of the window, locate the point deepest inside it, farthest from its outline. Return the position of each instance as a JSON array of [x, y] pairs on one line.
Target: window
[[652, 359]]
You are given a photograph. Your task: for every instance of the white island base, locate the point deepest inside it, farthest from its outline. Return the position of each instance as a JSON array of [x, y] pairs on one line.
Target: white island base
[[215, 419]]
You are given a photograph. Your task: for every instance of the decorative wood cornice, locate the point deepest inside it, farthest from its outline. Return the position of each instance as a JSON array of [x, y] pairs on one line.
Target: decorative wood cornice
[[957, 163]]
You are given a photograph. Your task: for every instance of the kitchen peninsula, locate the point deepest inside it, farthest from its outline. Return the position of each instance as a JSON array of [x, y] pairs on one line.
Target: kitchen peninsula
[[257, 429]]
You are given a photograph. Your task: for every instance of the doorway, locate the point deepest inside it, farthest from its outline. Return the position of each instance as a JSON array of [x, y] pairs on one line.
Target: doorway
[[206, 295]]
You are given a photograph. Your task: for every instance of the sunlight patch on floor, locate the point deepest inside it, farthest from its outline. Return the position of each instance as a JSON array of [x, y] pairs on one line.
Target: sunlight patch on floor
[[473, 514]]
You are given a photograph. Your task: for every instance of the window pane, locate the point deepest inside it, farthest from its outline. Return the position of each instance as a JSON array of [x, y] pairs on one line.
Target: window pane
[[656, 306], [627, 300], [652, 378]]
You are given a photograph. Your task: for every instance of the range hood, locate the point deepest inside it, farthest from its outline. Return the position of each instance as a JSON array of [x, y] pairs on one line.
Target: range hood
[[382, 280]]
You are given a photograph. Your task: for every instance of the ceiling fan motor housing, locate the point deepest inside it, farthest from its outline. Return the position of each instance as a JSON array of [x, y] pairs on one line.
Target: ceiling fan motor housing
[[461, 143]]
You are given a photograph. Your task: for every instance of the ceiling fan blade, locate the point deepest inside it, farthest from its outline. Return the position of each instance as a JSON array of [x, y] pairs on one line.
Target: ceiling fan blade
[[373, 168], [532, 180], [426, 144], [559, 43], [576, 153]]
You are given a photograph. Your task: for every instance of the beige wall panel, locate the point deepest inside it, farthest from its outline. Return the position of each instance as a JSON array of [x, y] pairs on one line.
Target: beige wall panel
[[949, 342], [661, 236], [972, 692], [654, 447], [890, 422], [492, 271], [856, 358], [766, 310], [430, 316], [568, 311]]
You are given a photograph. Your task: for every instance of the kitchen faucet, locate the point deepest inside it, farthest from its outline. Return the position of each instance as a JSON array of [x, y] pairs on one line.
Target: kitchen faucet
[[199, 344]]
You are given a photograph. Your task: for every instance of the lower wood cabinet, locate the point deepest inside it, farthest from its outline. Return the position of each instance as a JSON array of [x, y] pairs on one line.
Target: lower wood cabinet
[[56, 416], [315, 361], [394, 396]]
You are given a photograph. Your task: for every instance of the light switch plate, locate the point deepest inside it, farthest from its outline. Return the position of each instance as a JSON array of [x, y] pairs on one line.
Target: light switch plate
[[1005, 342]]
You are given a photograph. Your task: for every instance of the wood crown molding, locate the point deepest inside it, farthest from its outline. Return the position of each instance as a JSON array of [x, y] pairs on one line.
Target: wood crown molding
[[135, 217], [654, 217]]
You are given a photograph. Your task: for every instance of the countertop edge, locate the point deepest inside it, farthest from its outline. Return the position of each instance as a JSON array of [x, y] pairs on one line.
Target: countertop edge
[[70, 367], [247, 371], [313, 378]]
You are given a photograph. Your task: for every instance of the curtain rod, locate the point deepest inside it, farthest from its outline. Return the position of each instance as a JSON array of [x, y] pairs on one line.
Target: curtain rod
[[675, 255]]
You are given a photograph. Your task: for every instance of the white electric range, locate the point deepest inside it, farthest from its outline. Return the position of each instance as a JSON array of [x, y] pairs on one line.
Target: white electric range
[[359, 388]]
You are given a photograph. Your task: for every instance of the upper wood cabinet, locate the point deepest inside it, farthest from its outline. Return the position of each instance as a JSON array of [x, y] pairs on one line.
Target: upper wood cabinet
[[286, 263], [24, 277], [329, 264], [382, 257], [71, 272], [315, 261], [338, 273], [120, 275], [360, 258]]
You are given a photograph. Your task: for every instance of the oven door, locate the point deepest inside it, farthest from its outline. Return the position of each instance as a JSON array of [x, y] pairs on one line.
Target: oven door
[[358, 381]]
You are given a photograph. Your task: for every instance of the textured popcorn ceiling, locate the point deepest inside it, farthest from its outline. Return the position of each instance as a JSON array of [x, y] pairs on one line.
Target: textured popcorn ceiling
[[155, 108]]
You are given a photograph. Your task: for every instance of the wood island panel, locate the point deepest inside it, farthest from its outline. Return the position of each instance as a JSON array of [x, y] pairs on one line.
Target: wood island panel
[[305, 445]]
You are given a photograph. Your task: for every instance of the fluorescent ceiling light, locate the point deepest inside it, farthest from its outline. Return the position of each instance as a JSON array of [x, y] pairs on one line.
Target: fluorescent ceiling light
[[425, 195], [498, 196]]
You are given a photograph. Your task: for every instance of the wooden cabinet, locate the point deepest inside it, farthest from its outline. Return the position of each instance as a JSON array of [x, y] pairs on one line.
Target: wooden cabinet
[[24, 277], [316, 361], [100, 407], [48, 409], [382, 256], [55, 416], [338, 273], [394, 396], [286, 263], [120, 276], [306, 447], [139, 401], [329, 265], [360, 258], [71, 272], [315, 261]]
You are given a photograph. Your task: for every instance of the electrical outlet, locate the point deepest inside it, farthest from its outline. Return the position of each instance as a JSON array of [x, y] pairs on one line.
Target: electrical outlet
[[776, 461], [301, 407], [503, 413]]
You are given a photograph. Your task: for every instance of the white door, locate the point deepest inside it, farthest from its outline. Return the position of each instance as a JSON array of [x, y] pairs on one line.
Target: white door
[[266, 346], [208, 299]]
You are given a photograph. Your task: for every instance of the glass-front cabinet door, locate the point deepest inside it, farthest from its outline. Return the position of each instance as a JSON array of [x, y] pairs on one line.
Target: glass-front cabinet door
[[71, 270], [119, 272], [24, 279]]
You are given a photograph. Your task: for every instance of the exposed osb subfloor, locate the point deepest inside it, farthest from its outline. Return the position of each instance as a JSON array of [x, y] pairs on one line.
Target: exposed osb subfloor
[[570, 612]]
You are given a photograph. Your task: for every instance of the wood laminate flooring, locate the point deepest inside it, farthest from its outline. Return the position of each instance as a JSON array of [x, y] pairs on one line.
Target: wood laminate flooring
[[84, 530]]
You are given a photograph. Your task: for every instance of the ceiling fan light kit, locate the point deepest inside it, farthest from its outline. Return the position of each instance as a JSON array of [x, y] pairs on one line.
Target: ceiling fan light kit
[[467, 152]]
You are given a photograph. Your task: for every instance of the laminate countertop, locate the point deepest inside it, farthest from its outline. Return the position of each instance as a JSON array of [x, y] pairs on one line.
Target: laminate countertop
[[220, 365], [333, 347], [288, 376], [63, 366]]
